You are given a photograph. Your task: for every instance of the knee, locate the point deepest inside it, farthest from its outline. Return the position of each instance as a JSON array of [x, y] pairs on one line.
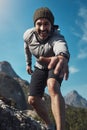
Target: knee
[[50, 85], [53, 86], [31, 100]]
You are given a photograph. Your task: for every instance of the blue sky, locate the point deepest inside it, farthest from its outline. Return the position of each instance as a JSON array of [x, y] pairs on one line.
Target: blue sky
[[70, 15]]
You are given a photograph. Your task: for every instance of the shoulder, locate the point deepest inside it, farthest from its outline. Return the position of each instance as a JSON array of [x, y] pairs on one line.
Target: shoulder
[[28, 33], [57, 36]]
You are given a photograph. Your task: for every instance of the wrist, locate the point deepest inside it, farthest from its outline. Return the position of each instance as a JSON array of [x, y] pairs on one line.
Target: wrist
[[28, 64], [61, 54]]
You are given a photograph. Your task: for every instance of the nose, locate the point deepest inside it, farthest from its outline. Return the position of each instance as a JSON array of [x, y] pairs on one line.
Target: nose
[[42, 27]]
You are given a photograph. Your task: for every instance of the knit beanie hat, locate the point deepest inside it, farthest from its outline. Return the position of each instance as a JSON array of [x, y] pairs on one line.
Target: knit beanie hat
[[43, 12]]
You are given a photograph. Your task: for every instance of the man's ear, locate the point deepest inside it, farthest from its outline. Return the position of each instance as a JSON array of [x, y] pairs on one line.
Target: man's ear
[[56, 27]]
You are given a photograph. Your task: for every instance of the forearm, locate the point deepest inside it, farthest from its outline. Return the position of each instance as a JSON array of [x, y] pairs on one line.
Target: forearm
[[28, 56], [60, 47]]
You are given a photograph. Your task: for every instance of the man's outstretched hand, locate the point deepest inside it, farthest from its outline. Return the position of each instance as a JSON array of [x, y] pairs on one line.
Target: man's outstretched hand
[[60, 63]]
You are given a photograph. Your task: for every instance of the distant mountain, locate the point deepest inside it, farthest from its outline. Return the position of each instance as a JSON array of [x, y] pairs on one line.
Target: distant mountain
[[6, 67], [12, 86], [76, 100]]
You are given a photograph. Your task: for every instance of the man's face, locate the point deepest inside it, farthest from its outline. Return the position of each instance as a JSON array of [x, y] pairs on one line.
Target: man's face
[[43, 28]]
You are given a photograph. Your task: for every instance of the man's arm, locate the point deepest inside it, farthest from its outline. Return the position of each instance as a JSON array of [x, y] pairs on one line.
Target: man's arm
[[60, 63], [28, 58]]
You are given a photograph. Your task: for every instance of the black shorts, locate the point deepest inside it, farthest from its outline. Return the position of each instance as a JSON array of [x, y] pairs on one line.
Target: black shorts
[[39, 81]]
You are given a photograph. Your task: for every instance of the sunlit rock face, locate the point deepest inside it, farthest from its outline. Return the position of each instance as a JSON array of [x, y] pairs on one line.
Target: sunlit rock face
[[11, 86], [13, 119]]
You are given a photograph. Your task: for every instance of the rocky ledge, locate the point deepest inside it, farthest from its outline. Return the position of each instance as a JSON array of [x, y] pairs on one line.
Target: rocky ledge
[[13, 119]]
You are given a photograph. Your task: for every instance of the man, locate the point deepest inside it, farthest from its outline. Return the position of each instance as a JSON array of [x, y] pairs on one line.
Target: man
[[45, 42]]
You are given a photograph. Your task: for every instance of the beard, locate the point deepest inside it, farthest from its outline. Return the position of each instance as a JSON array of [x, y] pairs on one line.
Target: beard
[[43, 35]]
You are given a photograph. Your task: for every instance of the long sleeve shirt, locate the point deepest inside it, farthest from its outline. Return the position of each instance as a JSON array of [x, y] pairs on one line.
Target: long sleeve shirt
[[55, 45]]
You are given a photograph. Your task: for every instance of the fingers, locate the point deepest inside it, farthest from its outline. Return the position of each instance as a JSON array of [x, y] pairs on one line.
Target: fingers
[[53, 62], [66, 74], [58, 67], [44, 59], [59, 63], [62, 69]]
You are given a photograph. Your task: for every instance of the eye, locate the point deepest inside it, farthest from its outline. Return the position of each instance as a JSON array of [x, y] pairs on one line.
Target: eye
[[38, 24], [46, 24]]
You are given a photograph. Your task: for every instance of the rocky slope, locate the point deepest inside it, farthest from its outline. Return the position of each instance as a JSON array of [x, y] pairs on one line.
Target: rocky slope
[[13, 119], [13, 102], [15, 113], [6, 67], [12, 86], [76, 100], [11, 89]]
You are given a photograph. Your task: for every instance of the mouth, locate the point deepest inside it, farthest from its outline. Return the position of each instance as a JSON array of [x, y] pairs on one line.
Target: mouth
[[43, 34]]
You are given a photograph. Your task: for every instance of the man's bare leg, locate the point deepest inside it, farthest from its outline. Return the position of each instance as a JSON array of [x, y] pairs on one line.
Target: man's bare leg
[[41, 108], [57, 103]]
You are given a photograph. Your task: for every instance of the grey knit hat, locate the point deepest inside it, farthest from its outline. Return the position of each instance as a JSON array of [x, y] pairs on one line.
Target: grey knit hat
[[43, 12]]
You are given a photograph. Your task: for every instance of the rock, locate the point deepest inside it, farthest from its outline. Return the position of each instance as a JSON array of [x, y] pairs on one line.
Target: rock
[[73, 98], [13, 119], [11, 89], [7, 68]]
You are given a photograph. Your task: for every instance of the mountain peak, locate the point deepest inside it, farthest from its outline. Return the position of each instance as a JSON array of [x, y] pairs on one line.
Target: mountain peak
[[73, 92], [7, 68], [75, 99]]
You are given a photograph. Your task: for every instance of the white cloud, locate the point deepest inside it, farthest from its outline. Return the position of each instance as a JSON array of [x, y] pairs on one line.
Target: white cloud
[[82, 54], [77, 34], [83, 23], [73, 70]]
